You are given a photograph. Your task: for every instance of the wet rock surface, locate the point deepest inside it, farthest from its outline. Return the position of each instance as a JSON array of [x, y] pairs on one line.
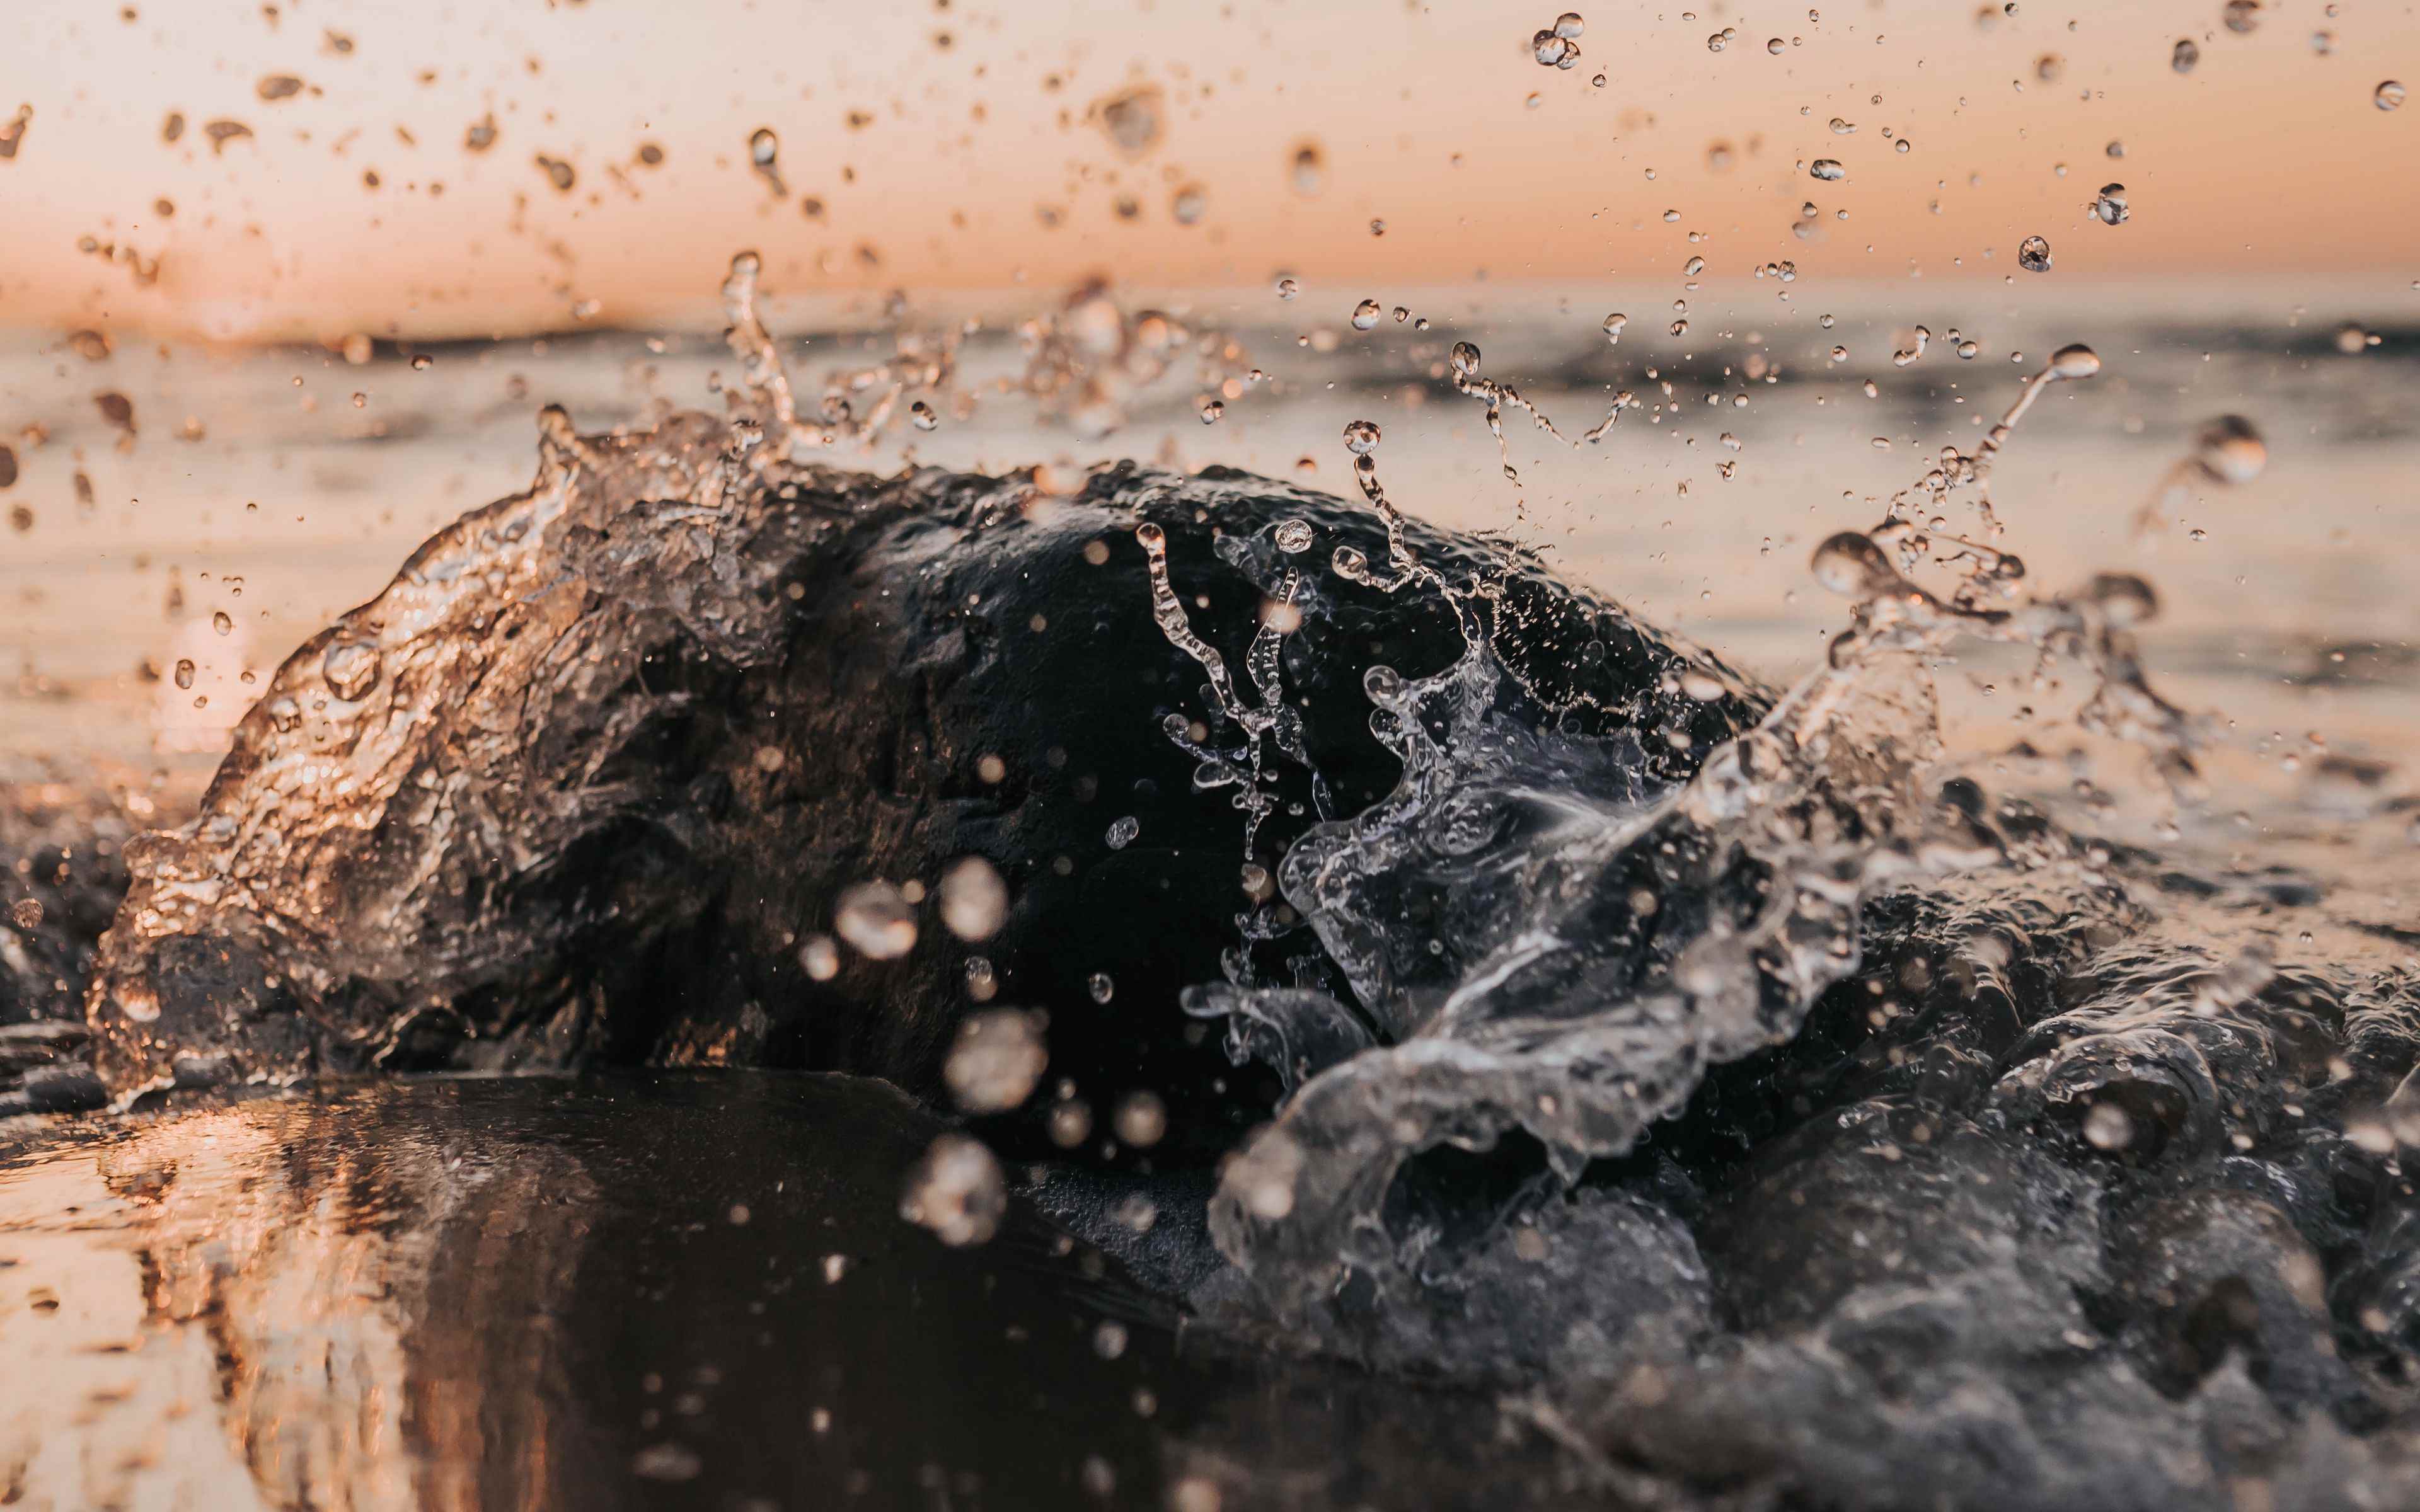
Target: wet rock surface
[[65, 876], [593, 780]]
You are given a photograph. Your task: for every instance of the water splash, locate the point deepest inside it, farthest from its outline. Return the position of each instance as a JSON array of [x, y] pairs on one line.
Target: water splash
[[1538, 938]]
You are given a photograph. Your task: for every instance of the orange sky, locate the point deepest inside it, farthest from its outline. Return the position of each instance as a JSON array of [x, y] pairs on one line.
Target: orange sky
[[960, 146]]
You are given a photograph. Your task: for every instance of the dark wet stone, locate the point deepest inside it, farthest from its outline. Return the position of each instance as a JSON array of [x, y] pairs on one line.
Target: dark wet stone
[[581, 785], [63, 1090]]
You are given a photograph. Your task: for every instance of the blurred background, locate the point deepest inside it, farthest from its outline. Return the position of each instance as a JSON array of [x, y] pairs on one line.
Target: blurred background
[[288, 282]]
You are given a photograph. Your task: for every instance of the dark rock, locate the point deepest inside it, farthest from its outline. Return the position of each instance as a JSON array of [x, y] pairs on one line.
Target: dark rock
[[63, 1090], [582, 783]]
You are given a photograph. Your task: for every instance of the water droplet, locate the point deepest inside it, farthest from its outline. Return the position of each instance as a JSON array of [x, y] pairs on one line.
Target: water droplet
[[2108, 1127], [1365, 315], [1288, 288], [184, 673], [1569, 24], [996, 1061], [221, 623], [875, 920], [2240, 15], [1692, 268], [1292, 536], [1362, 437], [26, 913], [2229, 450], [1827, 169], [1555, 51], [1465, 358], [2033, 254], [1309, 170], [1123, 832], [2184, 55], [2074, 360], [1099, 987], [1140, 1120], [1213, 411], [2110, 206], [1071, 1123], [974, 899], [957, 1191], [1190, 204], [1853, 566], [764, 148], [2389, 95], [1131, 120], [921, 415]]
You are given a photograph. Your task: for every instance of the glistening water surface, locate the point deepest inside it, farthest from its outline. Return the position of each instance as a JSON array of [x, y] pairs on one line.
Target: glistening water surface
[[669, 1290]]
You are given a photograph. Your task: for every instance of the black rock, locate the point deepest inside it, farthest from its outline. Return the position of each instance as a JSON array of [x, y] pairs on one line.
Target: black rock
[[584, 782]]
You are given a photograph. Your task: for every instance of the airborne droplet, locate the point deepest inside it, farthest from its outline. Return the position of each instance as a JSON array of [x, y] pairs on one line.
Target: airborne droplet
[[2228, 450], [1292, 536], [2389, 95], [974, 899], [1365, 315], [875, 920], [996, 1061], [2033, 254], [1310, 171], [957, 1191], [2075, 360], [2185, 55], [1828, 169]]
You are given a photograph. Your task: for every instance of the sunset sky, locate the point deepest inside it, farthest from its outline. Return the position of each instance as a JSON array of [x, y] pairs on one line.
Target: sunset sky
[[965, 146]]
